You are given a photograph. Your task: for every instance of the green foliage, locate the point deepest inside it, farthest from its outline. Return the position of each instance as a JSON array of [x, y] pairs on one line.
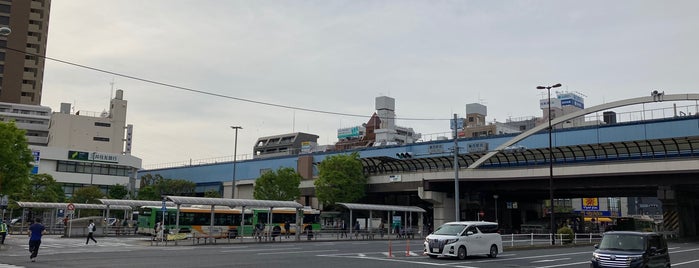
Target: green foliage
[[43, 188], [212, 194], [341, 179], [87, 195], [148, 193], [117, 191], [567, 233], [282, 184], [15, 159], [154, 186]]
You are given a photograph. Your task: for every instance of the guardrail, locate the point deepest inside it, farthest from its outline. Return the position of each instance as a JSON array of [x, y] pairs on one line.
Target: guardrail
[[514, 240]]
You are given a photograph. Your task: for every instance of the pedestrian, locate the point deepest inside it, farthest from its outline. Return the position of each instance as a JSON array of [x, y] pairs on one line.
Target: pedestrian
[[36, 230], [65, 226], [3, 231], [125, 226], [381, 226], [287, 228], [156, 230], [344, 229], [356, 229], [90, 230]]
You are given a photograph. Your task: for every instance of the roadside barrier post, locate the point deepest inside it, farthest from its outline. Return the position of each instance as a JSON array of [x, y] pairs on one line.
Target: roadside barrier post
[[407, 247]]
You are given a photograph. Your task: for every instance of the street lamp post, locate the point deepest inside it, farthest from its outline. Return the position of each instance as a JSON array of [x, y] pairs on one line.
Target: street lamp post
[[92, 168], [235, 154], [457, 209], [496, 207], [553, 221]]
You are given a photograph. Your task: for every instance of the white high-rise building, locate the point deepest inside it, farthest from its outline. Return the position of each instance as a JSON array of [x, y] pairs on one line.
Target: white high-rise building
[[89, 148]]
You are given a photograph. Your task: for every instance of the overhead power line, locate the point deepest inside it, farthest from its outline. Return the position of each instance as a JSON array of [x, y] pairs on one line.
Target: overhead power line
[[209, 93]]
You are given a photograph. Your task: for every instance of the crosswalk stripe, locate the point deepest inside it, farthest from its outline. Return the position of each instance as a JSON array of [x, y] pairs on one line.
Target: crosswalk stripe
[[2, 265]]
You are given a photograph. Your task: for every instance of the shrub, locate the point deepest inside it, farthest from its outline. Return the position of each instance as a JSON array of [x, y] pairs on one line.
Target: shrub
[[567, 234]]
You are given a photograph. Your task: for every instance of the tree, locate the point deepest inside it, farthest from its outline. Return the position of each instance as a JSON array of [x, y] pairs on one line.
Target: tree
[[212, 194], [87, 195], [282, 184], [341, 178], [15, 159], [154, 186], [42, 188], [176, 187], [148, 193], [117, 191]]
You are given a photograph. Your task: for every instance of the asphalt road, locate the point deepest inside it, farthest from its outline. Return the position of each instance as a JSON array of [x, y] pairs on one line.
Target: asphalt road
[[137, 252]]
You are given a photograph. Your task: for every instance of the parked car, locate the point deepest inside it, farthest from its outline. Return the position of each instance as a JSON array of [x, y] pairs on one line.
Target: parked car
[[465, 238], [631, 249], [15, 221]]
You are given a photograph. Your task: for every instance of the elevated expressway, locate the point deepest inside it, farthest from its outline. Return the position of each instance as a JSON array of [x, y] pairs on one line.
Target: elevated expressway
[[665, 168]]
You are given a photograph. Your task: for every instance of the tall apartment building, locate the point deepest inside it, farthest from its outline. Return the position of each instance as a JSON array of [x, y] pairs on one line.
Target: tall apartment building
[[21, 74]]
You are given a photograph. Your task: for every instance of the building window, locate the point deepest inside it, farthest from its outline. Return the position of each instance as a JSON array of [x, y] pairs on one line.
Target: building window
[[5, 9], [100, 124], [4, 20], [92, 168], [100, 139]]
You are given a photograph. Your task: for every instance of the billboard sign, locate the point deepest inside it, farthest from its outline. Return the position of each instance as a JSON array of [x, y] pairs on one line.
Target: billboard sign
[[477, 147], [590, 203], [350, 132]]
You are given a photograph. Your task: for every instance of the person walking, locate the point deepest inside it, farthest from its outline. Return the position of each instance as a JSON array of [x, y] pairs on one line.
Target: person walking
[[287, 228], [381, 226], [36, 230], [90, 230], [3, 231]]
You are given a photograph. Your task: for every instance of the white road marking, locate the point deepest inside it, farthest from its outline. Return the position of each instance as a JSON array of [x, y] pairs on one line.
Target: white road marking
[[551, 260], [530, 257], [686, 250], [294, 252], [565, 264], [255, 249], [9, 266], [683, 263]]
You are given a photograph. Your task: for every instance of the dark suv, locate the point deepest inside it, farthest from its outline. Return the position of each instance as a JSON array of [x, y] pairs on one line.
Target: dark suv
[[631, 249]]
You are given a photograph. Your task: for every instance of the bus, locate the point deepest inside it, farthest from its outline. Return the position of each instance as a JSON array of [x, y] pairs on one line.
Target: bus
[[640, 224], [227, 221]]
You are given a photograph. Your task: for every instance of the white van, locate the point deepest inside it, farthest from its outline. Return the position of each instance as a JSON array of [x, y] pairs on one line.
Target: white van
[[464, 238]]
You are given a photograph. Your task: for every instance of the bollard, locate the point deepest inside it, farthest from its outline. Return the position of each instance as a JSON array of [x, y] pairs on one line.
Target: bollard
[[390, 255], [407, 247]]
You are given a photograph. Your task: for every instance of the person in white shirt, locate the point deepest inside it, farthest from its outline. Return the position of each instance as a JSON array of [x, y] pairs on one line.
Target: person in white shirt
[[90, 230]]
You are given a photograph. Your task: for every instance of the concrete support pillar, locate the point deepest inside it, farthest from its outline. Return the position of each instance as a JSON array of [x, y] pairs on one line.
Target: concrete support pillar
[[443, 206], [679, 211]]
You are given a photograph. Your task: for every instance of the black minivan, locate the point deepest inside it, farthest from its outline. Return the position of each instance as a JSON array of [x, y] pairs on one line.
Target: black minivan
[[631, 249]]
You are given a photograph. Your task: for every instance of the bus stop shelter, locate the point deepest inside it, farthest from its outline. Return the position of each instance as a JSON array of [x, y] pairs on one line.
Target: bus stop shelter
[[233, 203], [389, 209], [133, 204], [56, 206]]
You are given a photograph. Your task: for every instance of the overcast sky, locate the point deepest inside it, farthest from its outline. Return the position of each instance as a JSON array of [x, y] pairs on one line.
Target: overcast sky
[[433, 57]]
